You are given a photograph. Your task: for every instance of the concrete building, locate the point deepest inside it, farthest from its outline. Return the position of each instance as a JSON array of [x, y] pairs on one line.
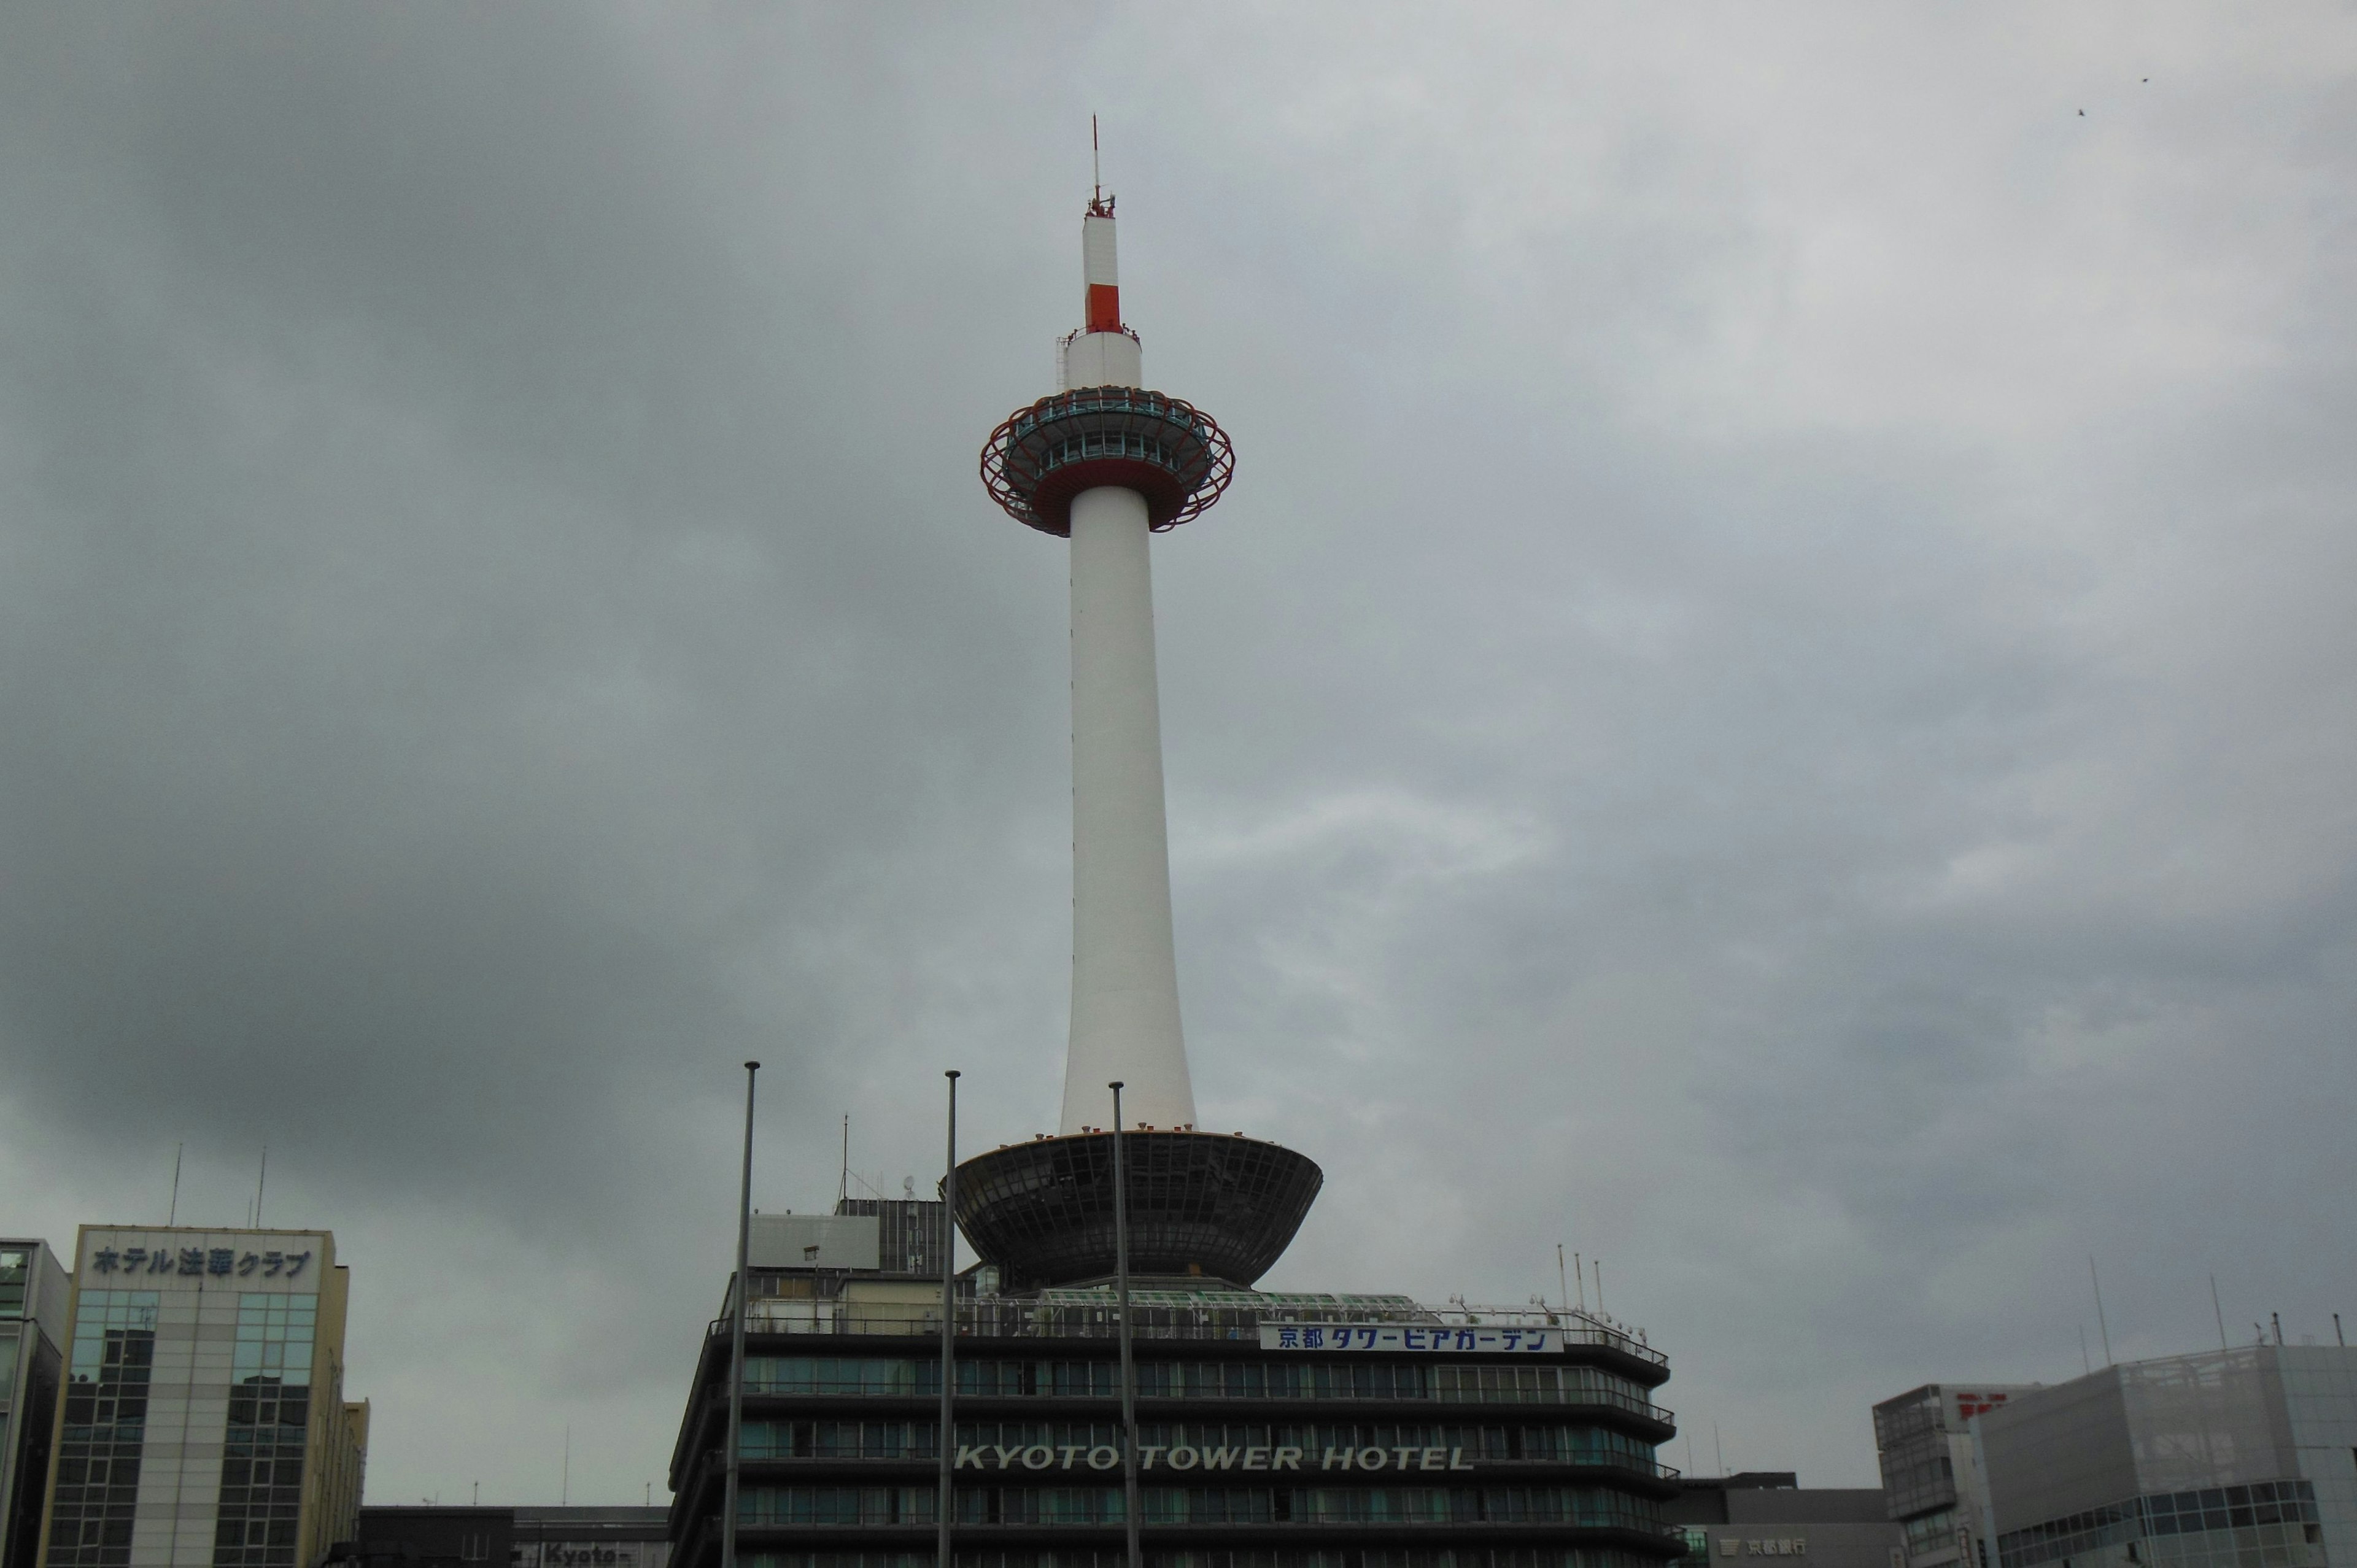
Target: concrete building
[[1923, 1441], [203, 1422], [2242, 1458], [1732, 1521], [35, 1300]]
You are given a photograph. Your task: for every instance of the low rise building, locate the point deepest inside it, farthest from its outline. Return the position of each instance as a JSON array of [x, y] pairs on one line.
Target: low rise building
[[1733, 1521], [429, 1536]]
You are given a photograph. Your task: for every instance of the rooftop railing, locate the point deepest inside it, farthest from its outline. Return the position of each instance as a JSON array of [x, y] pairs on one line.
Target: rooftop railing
[[1063, 1314]]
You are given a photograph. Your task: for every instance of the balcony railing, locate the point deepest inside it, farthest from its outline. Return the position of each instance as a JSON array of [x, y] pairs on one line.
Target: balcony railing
[[1049, 1318]]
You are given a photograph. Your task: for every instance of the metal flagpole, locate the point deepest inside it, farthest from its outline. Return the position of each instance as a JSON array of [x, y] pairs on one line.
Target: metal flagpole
[[737, 1337], [1128, 1365], [949, 1333]]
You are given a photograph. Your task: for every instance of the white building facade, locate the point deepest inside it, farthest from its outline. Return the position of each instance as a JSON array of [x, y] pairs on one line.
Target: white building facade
[[2241, 1458]]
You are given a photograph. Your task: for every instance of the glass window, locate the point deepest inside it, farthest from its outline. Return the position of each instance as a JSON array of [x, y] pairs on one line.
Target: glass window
[[14, 1265]]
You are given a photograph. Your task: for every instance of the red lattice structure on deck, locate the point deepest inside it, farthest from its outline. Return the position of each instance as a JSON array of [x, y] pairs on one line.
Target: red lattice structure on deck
[[1165, 449]]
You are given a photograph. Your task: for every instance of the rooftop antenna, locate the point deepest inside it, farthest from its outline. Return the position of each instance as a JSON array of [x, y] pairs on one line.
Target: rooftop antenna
[[1100, 205], [258, 1183], [1580, 1275], [174, 1216], [2338, 1338], [1718, 1449], [1562, 1285], [842, 1182], [2220, 1311]]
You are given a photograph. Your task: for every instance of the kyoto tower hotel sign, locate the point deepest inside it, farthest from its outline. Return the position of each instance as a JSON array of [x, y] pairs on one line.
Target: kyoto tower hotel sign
[[1107, 464]]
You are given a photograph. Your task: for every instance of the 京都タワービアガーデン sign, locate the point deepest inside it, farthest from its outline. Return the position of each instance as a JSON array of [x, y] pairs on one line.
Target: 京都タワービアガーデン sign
[[1409, 1337]]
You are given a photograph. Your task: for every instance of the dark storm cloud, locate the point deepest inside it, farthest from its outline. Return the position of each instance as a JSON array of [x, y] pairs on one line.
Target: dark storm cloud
[[412, 534], [1771, 701]]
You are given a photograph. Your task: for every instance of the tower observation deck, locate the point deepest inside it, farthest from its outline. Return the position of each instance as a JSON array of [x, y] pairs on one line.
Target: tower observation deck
[[1107, 464]]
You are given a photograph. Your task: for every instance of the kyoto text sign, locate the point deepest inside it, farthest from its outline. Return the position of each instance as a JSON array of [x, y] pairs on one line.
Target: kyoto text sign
[[1154, 1457], [1407, 1336]]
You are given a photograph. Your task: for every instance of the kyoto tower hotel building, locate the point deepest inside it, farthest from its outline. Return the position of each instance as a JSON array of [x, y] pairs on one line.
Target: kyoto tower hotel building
[[1271, 1429]]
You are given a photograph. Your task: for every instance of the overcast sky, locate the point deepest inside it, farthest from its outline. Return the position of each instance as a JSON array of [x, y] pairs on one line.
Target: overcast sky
[[1775, 701]]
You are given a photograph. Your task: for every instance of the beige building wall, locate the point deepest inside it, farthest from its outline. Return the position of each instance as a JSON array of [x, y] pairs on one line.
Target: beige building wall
[[200, 1321]]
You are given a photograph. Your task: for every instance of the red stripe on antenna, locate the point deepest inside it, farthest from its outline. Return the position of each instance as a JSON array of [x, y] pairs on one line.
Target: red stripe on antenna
[[1104, 308]]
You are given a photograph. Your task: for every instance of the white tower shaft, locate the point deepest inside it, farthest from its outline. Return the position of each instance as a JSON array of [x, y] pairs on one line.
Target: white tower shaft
[[1125, 964], [1125, 968]]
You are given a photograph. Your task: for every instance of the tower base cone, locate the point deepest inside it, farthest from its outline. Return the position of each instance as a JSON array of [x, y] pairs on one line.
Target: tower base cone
[[1205, 1206]]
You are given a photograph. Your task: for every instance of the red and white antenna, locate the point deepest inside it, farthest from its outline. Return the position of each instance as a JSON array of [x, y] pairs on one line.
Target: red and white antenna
[[1101, 310]]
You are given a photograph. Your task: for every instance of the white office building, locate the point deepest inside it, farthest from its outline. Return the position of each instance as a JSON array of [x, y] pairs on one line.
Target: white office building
[[2244, 1458]]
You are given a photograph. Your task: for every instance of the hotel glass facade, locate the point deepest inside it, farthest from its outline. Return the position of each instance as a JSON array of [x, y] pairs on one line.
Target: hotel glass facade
[[203, 1423], [1274, 1432]]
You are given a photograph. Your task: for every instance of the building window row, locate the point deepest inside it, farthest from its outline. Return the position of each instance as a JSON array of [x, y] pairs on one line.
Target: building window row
[[2275, 1517], [776, 1506], [917, 1439], [1930, 1532], [1915, 1484], [1341, 1557], [910, 1378], [274, 1334]]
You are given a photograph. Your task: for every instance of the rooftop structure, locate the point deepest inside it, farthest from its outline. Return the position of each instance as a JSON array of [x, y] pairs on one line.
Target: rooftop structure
[[1107, 464]]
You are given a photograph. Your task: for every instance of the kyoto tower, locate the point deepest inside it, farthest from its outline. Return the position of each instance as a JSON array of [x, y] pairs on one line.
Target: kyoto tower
[[1107, 464]]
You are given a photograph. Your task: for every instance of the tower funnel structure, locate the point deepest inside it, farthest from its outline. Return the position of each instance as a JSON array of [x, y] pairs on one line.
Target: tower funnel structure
[[1107, 464]]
